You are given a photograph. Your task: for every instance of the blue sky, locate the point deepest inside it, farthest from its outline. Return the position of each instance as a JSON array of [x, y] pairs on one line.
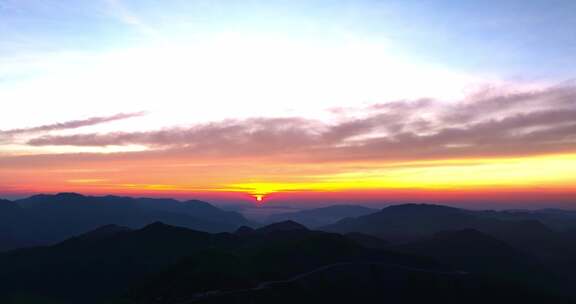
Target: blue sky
[[516, 39], [236, 59]]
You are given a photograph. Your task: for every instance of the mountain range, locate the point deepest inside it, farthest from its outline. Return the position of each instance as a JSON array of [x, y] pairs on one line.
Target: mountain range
[[318, 217], [121, 250], [280, 263], [47, 219]]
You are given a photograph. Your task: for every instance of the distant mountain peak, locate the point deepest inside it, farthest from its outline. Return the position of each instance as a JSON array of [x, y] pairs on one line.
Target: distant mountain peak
[[283, 226], [7, 203], [413, 206], [156, 225], [105, 231], [199, 203], [244, 230], [69, 195], [421, 209]]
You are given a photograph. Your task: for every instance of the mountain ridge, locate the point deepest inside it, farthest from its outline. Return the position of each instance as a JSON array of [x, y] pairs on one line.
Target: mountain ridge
[[318, 217], [63, 215]]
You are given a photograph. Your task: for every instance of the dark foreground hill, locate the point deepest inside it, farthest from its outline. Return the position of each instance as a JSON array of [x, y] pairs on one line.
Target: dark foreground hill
[[9, 216], [46, 219], [280, 263], [421, 226]]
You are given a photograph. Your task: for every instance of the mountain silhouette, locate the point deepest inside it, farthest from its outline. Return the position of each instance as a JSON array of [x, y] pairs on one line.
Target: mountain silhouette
[[403, 254], [105, 232], [368, 241], [553, 218], [284, 226], [107, 261], [322, 216], [413, 221], [60, 216], [245, 230], [10, 215], [476, 251], [282, 262]]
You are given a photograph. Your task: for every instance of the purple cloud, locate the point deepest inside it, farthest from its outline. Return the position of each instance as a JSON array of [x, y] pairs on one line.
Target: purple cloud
[[503, 125], [74, 124]]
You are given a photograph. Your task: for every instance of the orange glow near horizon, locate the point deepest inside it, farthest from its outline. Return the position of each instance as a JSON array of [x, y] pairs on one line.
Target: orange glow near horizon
[[456, 179]]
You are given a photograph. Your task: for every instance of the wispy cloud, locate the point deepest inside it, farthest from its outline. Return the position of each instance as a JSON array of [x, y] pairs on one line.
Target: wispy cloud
[[118, 9], [487, 126], [73, 124]]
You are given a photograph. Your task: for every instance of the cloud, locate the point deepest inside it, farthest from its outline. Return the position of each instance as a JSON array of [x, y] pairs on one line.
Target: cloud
[[74, 124], [251, 135], [492, 125], [118, 9]]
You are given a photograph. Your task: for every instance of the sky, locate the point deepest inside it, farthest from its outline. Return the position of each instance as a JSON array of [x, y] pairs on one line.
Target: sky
[[290, 101]]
